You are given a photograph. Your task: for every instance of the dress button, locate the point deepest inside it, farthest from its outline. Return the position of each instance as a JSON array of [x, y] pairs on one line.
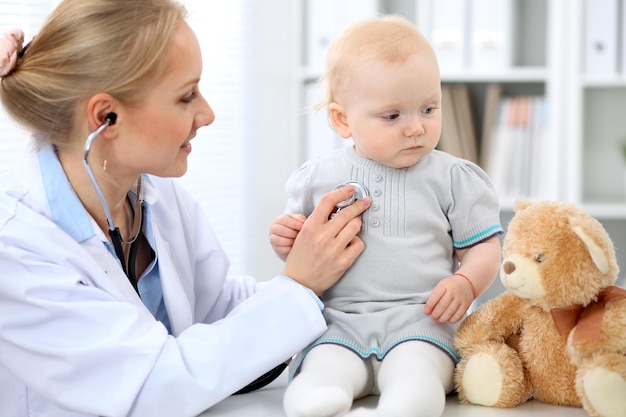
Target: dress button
[[376, 192], [375, 222], [378, 177], [375, 206]]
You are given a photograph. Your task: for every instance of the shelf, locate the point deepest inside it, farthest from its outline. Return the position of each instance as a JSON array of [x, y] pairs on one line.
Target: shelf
[[604, 81], [514, 75], [605, 211], [608, 211]]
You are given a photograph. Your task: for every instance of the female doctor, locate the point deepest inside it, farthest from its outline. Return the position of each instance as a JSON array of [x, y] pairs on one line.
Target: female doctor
[[113, 296]]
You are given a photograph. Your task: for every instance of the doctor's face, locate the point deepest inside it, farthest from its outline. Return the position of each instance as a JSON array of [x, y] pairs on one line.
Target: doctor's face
[[157, 134]]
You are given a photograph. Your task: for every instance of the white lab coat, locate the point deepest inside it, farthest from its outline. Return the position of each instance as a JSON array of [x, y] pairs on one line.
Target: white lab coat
[[76, 340]]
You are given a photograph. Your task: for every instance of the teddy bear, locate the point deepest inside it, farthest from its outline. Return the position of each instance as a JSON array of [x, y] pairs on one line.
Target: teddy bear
[[558, 332]]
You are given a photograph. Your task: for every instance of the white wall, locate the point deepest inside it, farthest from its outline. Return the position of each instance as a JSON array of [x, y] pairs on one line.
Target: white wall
[[278, 142]]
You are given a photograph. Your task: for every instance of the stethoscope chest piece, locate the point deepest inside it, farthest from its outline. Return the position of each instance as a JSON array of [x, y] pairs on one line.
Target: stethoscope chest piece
[[360, 191]]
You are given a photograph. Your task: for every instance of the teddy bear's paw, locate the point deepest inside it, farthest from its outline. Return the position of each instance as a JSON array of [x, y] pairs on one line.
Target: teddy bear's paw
[[493, 376], [482, 380], [320, 402], [606, 392]]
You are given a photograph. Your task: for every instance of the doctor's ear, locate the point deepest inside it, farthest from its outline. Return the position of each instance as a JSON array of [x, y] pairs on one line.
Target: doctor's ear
[[339, 120], [100, 110]]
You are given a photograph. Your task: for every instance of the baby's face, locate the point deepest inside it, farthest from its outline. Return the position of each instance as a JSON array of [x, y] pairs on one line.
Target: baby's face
[[394, 110]]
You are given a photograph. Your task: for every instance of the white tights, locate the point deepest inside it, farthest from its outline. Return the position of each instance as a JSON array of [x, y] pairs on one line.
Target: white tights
[[413, 380]]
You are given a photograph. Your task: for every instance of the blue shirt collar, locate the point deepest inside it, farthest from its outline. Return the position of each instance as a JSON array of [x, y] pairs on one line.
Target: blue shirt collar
[[66, 208]]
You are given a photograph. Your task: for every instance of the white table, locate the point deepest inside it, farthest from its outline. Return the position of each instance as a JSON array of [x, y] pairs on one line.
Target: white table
[[267, 402]]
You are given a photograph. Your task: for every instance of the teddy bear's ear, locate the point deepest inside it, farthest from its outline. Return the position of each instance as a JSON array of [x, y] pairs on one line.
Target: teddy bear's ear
[[597, 254], [521, 204]]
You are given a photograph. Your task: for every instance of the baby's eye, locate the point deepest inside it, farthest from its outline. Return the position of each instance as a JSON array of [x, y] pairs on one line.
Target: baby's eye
[[393, 116], [429, 110]]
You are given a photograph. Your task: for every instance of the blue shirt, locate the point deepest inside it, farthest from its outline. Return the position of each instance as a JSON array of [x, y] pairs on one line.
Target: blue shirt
[[70, 215]]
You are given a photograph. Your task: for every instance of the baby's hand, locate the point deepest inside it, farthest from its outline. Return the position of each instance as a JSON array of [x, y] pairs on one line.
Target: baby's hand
[[450, 299], [283, 232]]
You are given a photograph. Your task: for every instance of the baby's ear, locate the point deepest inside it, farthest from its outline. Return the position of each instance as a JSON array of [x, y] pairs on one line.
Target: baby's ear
[[339, 120]]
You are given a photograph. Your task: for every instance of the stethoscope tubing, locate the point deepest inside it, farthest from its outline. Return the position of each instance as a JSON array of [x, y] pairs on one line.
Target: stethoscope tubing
[[92, 136], [114, 231]]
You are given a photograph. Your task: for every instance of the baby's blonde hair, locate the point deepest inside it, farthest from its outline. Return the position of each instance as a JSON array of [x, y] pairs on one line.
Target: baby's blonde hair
[[86, 47], [387, 38]]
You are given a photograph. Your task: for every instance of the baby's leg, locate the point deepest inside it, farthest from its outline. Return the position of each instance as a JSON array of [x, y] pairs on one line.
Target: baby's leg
[[413, 380], [331, 376]]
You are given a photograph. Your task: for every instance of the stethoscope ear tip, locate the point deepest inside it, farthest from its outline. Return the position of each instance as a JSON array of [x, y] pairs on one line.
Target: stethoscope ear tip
[[110, 118]]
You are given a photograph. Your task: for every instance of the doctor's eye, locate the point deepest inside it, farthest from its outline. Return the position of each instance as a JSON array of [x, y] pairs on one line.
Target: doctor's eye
[[539, 258], [189, 97]]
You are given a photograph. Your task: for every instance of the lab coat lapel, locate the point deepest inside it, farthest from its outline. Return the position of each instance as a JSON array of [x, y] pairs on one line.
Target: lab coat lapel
[[109, 275], [177, 291]]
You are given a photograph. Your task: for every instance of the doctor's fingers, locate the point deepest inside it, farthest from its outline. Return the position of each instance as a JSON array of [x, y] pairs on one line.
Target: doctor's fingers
[[327, 205]]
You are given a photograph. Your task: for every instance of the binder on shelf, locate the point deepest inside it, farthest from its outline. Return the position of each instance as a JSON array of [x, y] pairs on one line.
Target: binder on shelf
[[450, 140], [517, 163], [320, 33], [458, 133], [492, 27], [325, 19], [621, 27], [465, 121], [500, 151], [493, 96], [601, 36], [444, 23], [539, 184]]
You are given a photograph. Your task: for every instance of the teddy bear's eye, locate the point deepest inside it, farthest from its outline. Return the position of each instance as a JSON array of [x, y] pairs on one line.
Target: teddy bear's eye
[[539, 257]]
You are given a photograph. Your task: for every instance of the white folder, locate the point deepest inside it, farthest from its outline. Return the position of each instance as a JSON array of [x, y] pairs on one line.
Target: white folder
[[492, 26], [444, 23], [600, 20]]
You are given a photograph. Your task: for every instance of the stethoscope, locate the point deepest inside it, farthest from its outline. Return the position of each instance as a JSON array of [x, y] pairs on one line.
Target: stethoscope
[[360, 191], [114, 231]]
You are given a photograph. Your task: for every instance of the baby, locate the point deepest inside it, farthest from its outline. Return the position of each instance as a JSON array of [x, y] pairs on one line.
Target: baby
[[431, 233]]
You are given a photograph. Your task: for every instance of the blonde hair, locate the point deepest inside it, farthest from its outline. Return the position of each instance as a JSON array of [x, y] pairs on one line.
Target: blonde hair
[[86, 47], [387, 38]]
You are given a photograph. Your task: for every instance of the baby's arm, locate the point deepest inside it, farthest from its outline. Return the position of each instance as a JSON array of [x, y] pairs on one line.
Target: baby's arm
[[453, 295], [283, 232]]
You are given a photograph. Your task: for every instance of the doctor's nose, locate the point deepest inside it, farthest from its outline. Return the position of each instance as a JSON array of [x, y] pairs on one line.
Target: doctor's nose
[[205, 115]]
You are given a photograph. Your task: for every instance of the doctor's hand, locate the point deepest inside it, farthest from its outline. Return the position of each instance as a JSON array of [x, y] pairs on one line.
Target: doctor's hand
[[324, 249], [283, 232]]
